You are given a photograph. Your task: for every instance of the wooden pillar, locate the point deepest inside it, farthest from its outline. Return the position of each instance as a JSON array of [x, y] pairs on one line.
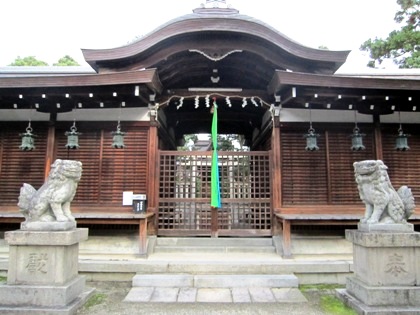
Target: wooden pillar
[[153, 176], [378, 138], [214, 222], [49, 154], [276, 181]]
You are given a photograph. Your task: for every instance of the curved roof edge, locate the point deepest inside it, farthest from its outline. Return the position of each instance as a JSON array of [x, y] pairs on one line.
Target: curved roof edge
[[207, 20]]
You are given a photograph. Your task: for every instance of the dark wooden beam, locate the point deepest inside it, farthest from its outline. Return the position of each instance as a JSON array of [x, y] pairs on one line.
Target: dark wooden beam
[[148, 77]]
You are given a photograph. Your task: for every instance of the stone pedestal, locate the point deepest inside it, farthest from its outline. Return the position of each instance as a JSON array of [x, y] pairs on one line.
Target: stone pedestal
[[386, 272], [43, 273]]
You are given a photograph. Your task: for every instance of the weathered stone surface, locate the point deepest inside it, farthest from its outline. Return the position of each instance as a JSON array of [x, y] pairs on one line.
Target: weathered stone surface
[[51, 203], [166, 295], [379, 239], [385, 227], [187, 295], [386, 273], [362, 308], [156, 280], [43, 273], [48, 238], [42, 265], [386, 259], [219, 295], [43, 258], [262, 295], [37, 295], [383, 203], [48, 226], [383, 295]]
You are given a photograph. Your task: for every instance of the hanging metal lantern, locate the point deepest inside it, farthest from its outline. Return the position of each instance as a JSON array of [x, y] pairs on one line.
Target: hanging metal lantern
[[118, 138], [357, 140], [72, 138], [311, 140], [28, 142], [401, 143]]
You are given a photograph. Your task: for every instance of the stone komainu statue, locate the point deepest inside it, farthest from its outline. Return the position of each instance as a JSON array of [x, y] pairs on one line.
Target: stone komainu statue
[[52, 201], [383, 203]]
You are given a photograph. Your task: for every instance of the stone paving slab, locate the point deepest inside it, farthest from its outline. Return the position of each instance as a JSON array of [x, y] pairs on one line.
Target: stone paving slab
[[187, 295], [288, 295], [166, 295], [140, 294], [214, 295], [262, 295], [241, 295]]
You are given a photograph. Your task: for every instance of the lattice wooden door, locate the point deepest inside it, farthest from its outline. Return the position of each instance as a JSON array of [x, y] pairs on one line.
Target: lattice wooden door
[[184, 194]]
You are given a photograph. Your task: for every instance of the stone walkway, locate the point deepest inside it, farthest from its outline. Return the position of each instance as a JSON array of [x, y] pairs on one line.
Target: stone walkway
[[113, 301], [215, 295]]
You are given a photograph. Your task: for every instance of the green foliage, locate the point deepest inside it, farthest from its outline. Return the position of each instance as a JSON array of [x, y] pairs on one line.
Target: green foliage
[[31, 61], [322, 286], [189, 143], [403, 45], [66, 61], [231, 142], [3, 279], [28, 61], [333, 305], [96, 299]]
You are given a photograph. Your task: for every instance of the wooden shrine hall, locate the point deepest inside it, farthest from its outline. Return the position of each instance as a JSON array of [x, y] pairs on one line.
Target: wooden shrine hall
[[304, 125]]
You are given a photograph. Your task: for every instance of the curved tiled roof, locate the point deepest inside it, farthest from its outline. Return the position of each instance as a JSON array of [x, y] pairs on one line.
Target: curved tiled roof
[[213, 29]]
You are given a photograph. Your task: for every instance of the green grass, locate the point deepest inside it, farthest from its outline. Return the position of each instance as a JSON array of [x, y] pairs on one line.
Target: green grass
[[328, 302], [320, 287], [333, 305], [96, 299]]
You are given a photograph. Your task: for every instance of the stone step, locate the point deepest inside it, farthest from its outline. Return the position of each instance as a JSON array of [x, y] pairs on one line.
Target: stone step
[[214, 295], [215, 280], [239, 267], [214, 249], [219, 241], [321, 245], [213, 245]]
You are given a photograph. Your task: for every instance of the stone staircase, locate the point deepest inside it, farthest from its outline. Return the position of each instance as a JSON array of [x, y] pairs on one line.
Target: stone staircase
[[317, 259], [234, 279]]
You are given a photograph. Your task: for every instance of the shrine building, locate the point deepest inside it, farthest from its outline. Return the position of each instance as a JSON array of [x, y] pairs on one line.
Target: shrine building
[[304, 125]]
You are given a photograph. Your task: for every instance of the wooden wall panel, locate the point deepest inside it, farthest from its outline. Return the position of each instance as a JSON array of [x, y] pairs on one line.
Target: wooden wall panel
[[89, 153], [325, 176], [341, 157], [304, 174], [403, 166], [107, 172], [18, 167]]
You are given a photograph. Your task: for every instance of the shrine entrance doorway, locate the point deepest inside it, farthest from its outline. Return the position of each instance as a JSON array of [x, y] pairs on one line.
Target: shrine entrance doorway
[[184, 194]]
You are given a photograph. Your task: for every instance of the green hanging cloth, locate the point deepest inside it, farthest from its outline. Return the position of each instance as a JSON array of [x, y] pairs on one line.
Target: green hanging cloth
[[215, 179]]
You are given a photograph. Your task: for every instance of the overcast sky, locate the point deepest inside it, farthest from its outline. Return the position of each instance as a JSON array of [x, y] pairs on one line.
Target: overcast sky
[[50, 29]]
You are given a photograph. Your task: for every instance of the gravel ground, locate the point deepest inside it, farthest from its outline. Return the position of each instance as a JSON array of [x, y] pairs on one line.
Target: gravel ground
[[109, 300]]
